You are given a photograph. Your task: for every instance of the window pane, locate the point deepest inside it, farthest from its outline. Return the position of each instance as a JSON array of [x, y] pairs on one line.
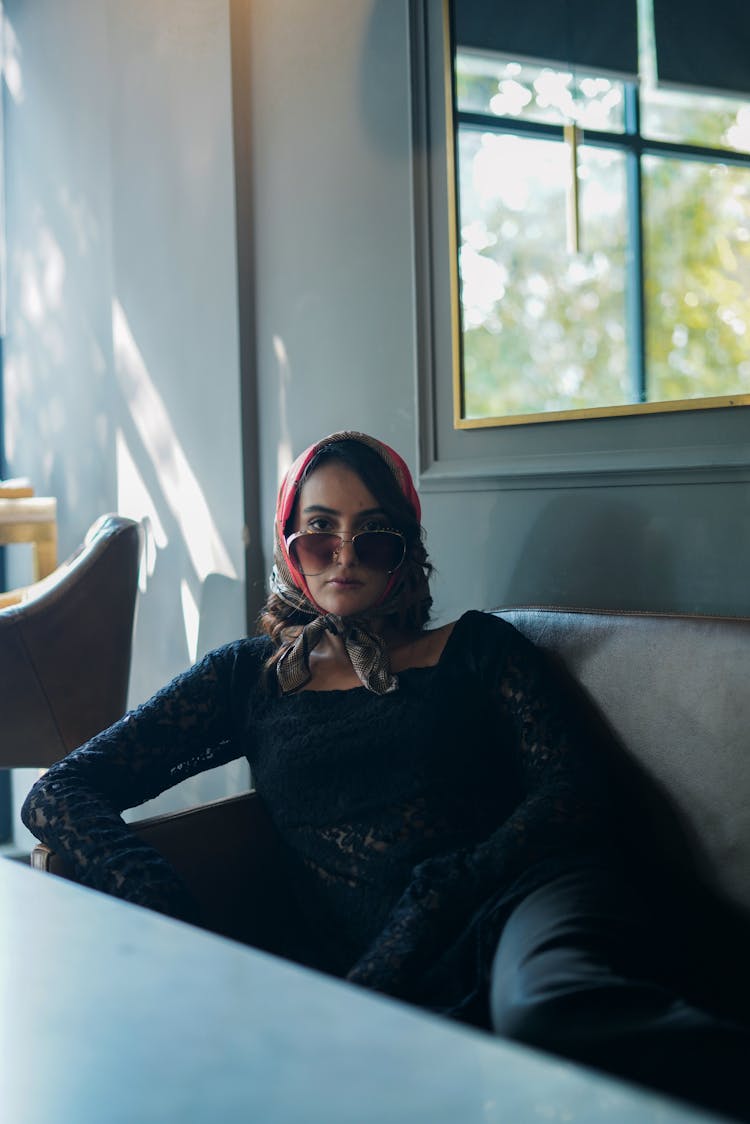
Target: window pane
[[543, 329], [684, 118], [697, 259], [508, 88]]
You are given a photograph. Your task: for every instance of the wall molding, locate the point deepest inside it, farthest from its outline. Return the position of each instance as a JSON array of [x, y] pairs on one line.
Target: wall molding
[[702, 465]]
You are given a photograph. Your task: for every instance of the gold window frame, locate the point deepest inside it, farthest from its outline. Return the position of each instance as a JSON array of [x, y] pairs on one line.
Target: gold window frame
[[460, 421]]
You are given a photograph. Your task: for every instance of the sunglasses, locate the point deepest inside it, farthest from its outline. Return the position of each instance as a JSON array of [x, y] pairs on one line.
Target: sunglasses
[[313, 551]]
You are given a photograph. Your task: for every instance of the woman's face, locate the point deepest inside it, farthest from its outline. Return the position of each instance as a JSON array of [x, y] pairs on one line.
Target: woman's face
[[334, 499]]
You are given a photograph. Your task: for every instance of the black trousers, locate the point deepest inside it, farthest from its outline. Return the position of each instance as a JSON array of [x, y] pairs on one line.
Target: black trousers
[[583, 969]]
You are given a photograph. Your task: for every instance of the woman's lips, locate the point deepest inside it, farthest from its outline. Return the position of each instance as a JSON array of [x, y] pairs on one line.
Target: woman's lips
[[344, 583]]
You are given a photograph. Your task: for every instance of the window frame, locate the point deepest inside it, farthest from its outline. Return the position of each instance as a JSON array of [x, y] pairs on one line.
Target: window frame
[[647, 443], [635, 147]]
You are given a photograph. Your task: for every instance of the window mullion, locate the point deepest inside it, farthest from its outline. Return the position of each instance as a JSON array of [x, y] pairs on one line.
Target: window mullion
[[635, 301]]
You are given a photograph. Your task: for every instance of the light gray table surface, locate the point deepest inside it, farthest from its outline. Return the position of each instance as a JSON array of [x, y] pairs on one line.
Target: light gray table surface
[[111, 1013]]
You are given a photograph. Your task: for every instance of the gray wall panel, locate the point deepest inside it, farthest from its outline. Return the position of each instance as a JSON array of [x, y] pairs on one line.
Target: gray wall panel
[[632, 512], [122, 369], [333, 226]]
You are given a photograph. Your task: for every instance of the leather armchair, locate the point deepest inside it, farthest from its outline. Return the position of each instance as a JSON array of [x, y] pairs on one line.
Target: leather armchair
[[65, 647], [228, 855]]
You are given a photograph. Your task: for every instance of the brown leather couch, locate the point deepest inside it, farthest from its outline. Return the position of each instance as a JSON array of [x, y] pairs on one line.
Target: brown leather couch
[[673, 693]]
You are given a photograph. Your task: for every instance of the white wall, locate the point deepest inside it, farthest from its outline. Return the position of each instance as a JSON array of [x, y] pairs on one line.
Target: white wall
[[333, 226], [122, 367]]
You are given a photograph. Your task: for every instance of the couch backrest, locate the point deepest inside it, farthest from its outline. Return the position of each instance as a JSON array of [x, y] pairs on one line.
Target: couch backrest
[[675, 692]]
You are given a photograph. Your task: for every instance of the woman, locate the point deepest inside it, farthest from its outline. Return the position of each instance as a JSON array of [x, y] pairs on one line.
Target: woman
[[443, 818]]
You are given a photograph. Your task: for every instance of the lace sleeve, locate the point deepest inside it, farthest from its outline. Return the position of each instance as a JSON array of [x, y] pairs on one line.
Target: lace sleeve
[[563, 808], [75, 807]]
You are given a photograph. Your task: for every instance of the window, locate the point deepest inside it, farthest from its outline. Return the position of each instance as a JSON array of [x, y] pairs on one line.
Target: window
[[603, 239]]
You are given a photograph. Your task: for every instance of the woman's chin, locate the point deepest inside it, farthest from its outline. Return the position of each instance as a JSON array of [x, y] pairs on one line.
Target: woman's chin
[[346, 600]]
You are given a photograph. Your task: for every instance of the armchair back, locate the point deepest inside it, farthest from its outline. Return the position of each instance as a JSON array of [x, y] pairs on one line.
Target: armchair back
[[65, 648]]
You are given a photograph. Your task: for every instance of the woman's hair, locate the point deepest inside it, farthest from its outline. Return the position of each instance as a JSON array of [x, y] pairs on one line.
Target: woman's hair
[[280, 621]]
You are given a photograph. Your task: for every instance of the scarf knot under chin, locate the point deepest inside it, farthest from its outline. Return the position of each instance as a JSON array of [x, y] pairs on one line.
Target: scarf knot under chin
[[365, 648]]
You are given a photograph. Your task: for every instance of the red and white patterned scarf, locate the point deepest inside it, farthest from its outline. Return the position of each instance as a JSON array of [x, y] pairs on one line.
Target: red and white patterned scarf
[[364, 646]]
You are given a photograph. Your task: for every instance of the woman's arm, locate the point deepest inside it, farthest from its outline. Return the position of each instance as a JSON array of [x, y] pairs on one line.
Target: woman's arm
[[187, 727], [559, 761], [563, 808]]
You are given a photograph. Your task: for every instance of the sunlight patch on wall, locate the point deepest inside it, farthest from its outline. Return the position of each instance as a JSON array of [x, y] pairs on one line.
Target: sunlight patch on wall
[[284, 455], [11, 49], [191, 617], [42, 276], [179, 485], [32, 304], [16, 383], [134, 501]]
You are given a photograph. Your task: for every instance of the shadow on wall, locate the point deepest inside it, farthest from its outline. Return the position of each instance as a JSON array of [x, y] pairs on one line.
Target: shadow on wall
[[589, 553]]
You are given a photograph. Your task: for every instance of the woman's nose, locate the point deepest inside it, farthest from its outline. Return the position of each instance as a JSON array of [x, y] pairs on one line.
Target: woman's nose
[[346, 554]]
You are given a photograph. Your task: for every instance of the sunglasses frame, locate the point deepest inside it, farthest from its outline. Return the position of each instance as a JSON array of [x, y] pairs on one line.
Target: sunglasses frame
[[343, 539]]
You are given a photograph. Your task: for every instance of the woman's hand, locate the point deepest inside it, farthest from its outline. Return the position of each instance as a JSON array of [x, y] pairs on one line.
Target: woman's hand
[[442, 892]]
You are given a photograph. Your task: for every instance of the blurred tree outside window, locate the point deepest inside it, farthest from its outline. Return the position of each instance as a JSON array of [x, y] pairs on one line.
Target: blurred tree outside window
[[653, 307]]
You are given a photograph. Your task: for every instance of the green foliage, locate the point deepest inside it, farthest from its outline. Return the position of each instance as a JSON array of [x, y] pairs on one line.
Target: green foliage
[[697, 279]]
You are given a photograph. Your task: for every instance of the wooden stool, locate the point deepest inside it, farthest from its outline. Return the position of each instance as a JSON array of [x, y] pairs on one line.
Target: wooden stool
[[32, 520], [16, 489]]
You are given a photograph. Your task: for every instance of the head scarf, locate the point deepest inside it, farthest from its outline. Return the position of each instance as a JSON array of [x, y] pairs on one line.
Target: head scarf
[[365, 647]]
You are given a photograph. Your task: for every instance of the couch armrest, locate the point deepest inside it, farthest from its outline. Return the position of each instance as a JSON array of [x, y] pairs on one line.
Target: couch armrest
[[228, 855]]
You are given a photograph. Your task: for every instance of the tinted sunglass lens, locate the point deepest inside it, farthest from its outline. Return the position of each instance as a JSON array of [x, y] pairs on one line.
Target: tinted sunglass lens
[[313, 553], [380, 550]]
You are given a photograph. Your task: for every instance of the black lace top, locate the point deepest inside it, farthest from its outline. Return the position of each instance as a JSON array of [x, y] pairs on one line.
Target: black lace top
[[405, 817]]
